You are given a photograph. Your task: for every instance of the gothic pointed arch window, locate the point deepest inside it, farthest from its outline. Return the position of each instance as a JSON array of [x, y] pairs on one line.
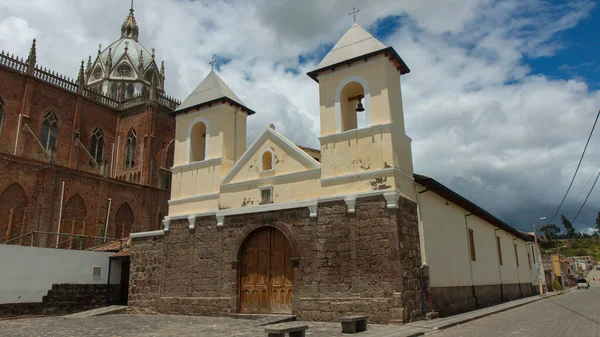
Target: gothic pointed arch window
[[124, 221], [130, 90], [1, 115], [166, 175], [97, 145], [74, 219], [114, 90], [130, 146], [148, 75], [13, 212], [170, 158], [49, 132]]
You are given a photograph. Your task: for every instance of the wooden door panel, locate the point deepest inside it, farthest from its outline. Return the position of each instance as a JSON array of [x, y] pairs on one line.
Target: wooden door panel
[[262, 272], [254, 278], [280, 284], [266, 273]]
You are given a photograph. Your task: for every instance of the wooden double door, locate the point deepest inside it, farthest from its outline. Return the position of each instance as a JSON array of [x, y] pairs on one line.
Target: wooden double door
[[266, 273]]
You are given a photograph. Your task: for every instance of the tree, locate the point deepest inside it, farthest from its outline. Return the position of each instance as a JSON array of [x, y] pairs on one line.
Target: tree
[[598, 222], [568, 226], [551, 232]]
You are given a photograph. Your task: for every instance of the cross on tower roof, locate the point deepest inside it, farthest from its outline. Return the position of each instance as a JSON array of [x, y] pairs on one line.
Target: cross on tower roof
[[212, 63], [353, 13]]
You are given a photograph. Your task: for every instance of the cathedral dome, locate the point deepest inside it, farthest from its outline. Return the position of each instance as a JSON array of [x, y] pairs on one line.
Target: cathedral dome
[[125, 68], [136, 52]]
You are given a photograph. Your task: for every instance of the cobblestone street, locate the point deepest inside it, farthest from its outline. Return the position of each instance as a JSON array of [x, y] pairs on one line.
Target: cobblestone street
[[576, 313], [155, 326]]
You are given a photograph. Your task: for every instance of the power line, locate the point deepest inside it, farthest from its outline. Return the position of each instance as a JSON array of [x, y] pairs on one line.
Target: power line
[[587, 183], [577, 169], [586, 198]]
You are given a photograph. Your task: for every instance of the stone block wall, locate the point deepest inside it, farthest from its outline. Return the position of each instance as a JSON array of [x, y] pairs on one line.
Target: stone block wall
[[64, 299], [346, 263], [145, 274], [454, 300]]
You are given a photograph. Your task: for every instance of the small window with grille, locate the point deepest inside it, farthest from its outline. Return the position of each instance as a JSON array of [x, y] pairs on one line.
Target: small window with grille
[[266, 194]]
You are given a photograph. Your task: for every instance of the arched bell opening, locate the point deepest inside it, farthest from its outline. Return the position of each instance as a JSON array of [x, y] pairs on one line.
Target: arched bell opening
[[198, 142], [352, 106]]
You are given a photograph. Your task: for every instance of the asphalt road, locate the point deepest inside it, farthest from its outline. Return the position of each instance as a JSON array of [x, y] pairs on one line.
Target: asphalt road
[[576, 314]]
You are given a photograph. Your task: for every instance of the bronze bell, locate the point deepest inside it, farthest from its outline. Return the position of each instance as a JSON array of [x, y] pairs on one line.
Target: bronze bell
[[359, 106]]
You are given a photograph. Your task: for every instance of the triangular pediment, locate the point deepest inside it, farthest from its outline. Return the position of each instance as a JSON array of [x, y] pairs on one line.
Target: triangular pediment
[[97, 63], [287, 158], [125, 59]]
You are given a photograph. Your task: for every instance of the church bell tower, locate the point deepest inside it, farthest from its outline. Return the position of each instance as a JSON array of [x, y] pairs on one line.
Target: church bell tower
[[362, 121]]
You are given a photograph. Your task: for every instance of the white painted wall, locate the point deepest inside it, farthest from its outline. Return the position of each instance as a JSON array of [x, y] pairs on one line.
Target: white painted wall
[[485, 267], [445, 247], [29, 272]]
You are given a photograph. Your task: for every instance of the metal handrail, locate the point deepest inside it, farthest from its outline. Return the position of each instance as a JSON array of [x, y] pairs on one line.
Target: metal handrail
[[74, 237]]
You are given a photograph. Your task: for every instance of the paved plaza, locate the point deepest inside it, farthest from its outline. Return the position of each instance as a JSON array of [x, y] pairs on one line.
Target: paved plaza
[[576, 313], [158, 325]]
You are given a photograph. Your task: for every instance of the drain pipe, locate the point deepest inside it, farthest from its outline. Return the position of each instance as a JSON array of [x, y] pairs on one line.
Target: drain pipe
[[108, 282], [517, 265], [62, 198], [422, 281], [107, 218], [499, 266], [235, 135], [17, 137]]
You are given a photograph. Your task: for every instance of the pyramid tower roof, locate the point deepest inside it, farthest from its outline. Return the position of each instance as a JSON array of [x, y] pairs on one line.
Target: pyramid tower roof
[[355, 44], [212, 90]]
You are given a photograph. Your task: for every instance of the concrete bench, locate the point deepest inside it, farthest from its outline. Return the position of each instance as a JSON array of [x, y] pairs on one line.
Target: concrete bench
[[354, 324], [293, 329]]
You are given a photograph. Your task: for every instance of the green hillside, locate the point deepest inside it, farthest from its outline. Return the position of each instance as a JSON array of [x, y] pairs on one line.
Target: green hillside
[[575, 247]]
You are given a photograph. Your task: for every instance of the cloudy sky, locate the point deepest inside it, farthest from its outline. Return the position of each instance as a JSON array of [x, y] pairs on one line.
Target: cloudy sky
[[499, 101]]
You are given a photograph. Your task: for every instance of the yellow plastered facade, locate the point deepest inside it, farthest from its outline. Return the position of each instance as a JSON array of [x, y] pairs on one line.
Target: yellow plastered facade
[[375, 155]]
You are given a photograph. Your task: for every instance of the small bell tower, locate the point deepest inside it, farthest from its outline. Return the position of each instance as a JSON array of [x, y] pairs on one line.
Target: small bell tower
[[362, 120], [210, 137]]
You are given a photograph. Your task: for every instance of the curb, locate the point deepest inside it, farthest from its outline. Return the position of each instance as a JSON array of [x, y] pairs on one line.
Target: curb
[[470, 319]]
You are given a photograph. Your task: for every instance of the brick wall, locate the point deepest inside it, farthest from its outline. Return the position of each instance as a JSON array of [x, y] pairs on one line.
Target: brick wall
[[29, 173], [41, 183], [365, 262], [78, 117]]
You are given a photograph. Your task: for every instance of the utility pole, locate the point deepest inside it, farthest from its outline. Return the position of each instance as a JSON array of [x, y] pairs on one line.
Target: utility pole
[[540, 263]]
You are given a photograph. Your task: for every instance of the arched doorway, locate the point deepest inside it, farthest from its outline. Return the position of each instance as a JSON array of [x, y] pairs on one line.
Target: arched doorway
[[266, 273]]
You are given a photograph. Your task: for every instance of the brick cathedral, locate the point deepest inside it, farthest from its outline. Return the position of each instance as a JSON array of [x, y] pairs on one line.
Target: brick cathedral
[[90, 156]]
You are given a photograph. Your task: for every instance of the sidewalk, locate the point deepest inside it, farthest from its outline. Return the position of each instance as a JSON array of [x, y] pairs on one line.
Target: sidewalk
[[421, 327]]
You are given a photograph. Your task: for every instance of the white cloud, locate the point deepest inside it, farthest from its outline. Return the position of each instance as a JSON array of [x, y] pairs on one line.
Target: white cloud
[[481, 122]]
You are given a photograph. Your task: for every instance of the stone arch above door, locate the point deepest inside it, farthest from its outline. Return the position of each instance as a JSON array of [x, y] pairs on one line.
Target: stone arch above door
[[283, 227]]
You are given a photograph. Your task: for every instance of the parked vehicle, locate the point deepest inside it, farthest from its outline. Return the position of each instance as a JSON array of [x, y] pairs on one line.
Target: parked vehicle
[[583, 283]]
